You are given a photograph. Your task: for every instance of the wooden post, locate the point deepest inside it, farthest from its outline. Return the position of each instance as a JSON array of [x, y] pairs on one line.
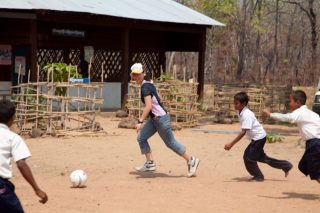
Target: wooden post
[[38, 91], [53, 91], [69, 74], [103, 76], [125, 65], [163, 62], [78, 103], [193, 77], [19, 73], [89, 70], [201, 63], [34, 46], [52, 70], [152, 74], [29, 76], [68, 87]]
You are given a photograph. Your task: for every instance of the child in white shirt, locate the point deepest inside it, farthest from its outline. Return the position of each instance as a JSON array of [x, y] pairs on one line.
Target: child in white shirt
[[12, 146], [309, 127], [254, 152]]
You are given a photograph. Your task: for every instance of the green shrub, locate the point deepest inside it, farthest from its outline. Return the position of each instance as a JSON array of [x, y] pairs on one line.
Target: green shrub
[[61, 74], [272, 138]]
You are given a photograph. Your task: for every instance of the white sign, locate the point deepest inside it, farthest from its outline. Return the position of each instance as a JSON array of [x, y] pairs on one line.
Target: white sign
[[88, 53]]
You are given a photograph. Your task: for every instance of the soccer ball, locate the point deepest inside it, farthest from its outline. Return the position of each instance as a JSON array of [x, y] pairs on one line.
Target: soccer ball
[[78, 178]]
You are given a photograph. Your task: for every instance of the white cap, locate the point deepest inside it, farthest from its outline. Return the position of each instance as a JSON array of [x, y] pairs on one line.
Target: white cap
[[136, 68]]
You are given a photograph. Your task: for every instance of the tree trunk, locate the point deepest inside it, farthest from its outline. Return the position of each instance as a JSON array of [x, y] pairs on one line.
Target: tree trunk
[[242, 52], [275, 46], [171, 57], [288, 42], [314, 39]]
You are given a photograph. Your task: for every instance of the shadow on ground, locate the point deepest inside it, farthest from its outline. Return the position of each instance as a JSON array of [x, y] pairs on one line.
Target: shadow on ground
[[154, 175], [295, 195], [248, 179]]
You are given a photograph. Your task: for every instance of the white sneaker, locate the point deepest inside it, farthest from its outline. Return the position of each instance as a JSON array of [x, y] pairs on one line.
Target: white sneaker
[[193, 164], [147, 166]]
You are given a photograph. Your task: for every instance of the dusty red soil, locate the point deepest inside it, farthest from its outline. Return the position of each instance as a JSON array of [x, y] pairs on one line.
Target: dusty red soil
[[113, 186]]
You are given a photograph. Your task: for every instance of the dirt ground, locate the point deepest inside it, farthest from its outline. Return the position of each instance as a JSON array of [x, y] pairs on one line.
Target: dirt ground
[[221, 184]]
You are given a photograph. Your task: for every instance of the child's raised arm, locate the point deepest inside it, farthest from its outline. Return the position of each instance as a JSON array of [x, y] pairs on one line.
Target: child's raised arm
[[228, 146], [279, 116]]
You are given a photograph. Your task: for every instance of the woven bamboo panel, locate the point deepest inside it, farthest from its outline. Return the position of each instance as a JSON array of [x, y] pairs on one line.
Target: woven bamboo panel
[[277, 97], [150, 62], [74, 57], [273, 97], [111, 62], [46, 56], [178, 97]]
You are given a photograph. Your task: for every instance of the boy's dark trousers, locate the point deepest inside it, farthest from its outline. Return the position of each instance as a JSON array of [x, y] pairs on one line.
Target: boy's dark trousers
[[9, 202], [254, 153], [310, 161]]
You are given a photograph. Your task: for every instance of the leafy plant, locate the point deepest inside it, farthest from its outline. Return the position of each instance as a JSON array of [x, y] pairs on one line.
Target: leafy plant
[[60, 74], [165, 77], [272, 138]]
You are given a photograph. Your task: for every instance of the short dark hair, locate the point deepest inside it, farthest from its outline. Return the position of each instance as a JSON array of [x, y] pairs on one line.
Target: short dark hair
[[242, 97], [7, 111], [299, 96]]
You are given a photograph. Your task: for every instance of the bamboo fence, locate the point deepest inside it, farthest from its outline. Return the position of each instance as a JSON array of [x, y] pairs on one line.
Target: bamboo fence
[[275, 98], [178, 97], [38, 105]]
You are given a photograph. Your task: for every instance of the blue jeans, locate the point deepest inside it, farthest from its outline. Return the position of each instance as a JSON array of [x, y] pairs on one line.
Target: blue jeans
[[9, 202], [162, 126]]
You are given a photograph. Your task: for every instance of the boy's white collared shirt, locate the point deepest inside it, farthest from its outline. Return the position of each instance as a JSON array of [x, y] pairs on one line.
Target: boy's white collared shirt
[[13, 147], [308, 121], [249, 122]]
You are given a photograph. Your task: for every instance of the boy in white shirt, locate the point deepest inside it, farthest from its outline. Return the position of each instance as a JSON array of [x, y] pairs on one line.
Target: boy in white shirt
[[309, 127], [12, 146], [254, 152]]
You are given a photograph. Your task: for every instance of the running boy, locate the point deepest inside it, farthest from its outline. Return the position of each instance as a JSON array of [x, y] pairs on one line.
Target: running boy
[[158, 121], [253, 129], [309, 127], [12, 146]]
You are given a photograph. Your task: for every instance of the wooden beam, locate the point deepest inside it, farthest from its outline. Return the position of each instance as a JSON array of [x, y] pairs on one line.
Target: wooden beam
[[124, 66], [201, 63], [17, 15]]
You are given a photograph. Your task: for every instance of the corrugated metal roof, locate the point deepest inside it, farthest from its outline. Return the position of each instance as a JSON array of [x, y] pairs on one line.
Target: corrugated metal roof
[[153, 10]]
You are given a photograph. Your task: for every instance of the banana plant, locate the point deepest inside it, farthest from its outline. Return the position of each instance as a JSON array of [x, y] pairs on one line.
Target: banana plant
[[61, 74]]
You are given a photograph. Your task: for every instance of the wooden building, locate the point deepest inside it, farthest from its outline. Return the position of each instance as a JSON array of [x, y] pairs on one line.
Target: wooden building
[[112, 33]]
